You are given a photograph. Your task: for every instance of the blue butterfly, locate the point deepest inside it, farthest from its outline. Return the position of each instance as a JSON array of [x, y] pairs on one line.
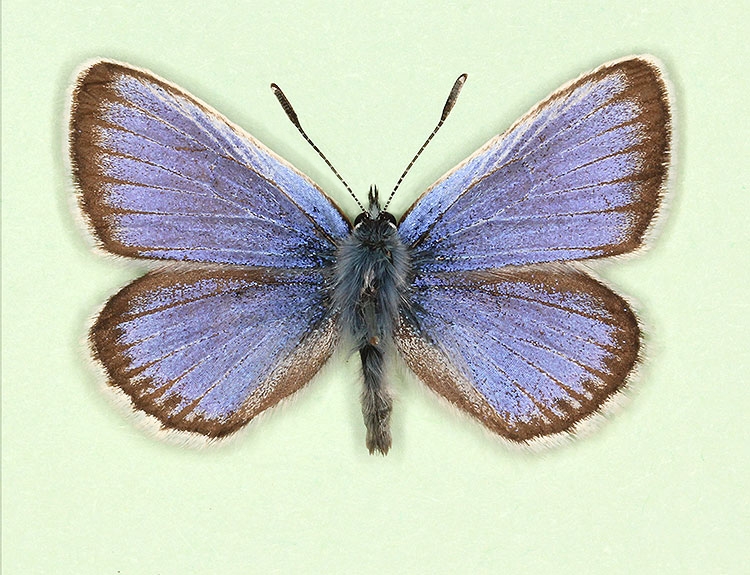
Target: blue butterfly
[[476, 287]]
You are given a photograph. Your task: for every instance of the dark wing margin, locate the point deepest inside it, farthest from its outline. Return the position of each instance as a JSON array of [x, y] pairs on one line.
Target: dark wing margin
[[162, 175], [205, 351], [529, 353], [579, 176]]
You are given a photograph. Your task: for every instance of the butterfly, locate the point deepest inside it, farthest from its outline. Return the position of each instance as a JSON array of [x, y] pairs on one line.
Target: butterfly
[[478, 287]]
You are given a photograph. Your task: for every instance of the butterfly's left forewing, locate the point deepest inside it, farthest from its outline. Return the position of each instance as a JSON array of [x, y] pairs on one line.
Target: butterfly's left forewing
[[578, 177]]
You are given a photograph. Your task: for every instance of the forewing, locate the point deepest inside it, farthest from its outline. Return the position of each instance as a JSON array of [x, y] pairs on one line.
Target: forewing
[[529, 353], [206, 351], [580, 176], [161, 175]]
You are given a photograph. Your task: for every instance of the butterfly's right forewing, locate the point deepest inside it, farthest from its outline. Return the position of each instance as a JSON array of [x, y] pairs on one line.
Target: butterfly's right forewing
[[163, 176]]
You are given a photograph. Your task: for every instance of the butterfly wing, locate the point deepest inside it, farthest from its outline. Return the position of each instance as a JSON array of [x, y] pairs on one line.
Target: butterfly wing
[[529, 347], [579, 176], [527, 352], [161, 175], [207, 350]]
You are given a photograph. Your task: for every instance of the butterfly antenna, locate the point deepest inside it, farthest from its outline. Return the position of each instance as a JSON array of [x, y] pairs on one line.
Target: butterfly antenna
[[292, 115], [449, 103]]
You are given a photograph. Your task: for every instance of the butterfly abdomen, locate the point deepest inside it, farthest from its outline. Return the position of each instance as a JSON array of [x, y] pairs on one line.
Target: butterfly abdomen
[[371, 282], [377, 402]]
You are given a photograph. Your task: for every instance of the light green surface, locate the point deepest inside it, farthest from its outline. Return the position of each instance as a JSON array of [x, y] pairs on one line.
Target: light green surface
[[661, 488]]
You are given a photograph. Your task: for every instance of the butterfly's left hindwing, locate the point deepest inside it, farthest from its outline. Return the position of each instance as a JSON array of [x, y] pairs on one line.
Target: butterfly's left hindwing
[[528, 353], [206, 351]]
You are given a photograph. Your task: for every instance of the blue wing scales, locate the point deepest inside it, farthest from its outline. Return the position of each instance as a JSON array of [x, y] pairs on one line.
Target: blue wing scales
[[528, 353], [580, 176], [205, 351], [164, 176], [501, 324]]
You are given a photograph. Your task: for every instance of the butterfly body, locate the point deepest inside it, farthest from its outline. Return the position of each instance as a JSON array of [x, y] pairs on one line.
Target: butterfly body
[[372, 278], [476, 287]]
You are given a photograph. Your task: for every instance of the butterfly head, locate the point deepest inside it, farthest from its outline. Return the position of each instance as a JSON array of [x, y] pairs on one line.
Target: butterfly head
[[375, 218]]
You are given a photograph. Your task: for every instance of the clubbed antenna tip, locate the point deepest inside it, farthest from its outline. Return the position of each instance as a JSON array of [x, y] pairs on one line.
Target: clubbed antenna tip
[[449, 103], [294, 119]]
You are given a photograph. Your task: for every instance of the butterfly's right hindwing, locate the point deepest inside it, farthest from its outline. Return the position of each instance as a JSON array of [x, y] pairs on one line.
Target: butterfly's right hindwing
[[206, 351]]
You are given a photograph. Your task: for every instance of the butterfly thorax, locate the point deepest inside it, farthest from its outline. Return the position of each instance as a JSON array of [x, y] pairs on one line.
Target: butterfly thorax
[[371, 279]]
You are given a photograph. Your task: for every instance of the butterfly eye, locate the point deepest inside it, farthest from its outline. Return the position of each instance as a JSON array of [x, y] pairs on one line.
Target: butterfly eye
[[360, 218], [388, 217]]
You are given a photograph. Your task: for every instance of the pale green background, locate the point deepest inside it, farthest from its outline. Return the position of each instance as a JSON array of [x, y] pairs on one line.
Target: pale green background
[[661, 488]]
